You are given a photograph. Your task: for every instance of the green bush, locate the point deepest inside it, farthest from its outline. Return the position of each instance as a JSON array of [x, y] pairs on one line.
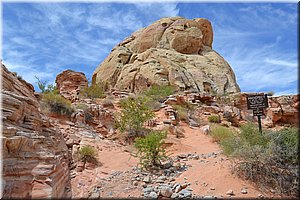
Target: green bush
[[214, 119], [56, 104], [158, 93], [220, 133], [269, 159], [108, 103], [133, 115], [93, 91], [150, 149], [250, 135], [270, 93], [42, 84], [87, 153]]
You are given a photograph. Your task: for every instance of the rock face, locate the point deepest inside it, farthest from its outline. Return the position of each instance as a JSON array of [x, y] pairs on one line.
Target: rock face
[[69, 83], [282, 109], [172, 51], [35, 161]]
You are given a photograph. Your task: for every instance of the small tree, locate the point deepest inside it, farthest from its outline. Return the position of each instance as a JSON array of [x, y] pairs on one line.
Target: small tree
[[41, 84], [150, 149], [133, 116]]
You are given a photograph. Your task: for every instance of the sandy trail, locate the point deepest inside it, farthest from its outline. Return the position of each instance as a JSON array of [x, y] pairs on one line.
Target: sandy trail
[[207, 176]]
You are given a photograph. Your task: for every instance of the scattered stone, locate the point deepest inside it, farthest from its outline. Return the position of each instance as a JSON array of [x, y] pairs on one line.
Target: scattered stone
[[182, 156], [147, 189], [183, 186], [230, 192], [147, 179], [244, 191], [167, 121], [260, 196], [205, 129], [135, 183], [161, 179], [212, 188], [174, 196], [208, 197], [185, 193], [153, 195], [178, 188], [166, 191]]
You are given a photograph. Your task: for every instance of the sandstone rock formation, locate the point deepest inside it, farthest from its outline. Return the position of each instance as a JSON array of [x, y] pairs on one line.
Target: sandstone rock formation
[[172, 51], [282, 109], [69, 83], [35, 161]]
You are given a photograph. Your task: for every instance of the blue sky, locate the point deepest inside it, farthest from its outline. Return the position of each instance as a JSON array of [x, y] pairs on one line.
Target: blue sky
[[259, 40]]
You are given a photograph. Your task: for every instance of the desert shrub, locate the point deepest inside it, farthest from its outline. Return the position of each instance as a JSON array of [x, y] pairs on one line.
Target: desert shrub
[[93, 91], [270, 93], [158, 93], [56, 104], [214, 119], [182, 112], [150, 149], [250, 135], [87, 153], [133, 115], [269, 159], [108, 103], [220, 133], [41, 84], [44, 87]]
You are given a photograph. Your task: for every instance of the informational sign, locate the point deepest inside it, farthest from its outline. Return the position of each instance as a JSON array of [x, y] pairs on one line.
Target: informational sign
[[257, 101], [258, 112]]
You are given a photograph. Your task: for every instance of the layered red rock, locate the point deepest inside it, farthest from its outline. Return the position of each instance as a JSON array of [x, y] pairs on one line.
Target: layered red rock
[[171, 51], [35, 163], [282, 109], [69, 83]]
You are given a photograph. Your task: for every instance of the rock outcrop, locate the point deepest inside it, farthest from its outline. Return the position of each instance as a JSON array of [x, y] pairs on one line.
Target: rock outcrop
[[69, 83], [35, 155], [282, 109], [172, 51]]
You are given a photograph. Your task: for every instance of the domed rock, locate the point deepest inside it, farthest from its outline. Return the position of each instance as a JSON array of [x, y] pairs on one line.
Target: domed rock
[[171, 51]]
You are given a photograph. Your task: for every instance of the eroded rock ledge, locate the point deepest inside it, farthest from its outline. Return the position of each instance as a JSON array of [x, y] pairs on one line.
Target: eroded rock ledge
[[35, 156]]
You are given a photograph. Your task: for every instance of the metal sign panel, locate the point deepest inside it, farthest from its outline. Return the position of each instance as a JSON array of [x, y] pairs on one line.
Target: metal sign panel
[[258, 112], [257, 101]]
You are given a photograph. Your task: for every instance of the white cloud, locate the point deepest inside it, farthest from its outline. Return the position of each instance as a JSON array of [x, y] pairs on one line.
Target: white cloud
[[279, 62]]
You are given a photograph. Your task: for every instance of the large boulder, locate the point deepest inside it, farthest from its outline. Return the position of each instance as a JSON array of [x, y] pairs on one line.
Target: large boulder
[[35, 156], [69, 83], [171, 51]]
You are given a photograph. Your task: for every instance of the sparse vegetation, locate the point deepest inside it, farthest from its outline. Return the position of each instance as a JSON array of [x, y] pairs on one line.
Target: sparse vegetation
[[214, 119], [133, 115], [270, 93], [93, 91], [220, 133], [182, 113], [87, 153], [158, 93], [269, 159], [150, 149], [108, 103], [57, 104]]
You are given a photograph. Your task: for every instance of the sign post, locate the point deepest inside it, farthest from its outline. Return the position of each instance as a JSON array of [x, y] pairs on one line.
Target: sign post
[[257, 103]]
